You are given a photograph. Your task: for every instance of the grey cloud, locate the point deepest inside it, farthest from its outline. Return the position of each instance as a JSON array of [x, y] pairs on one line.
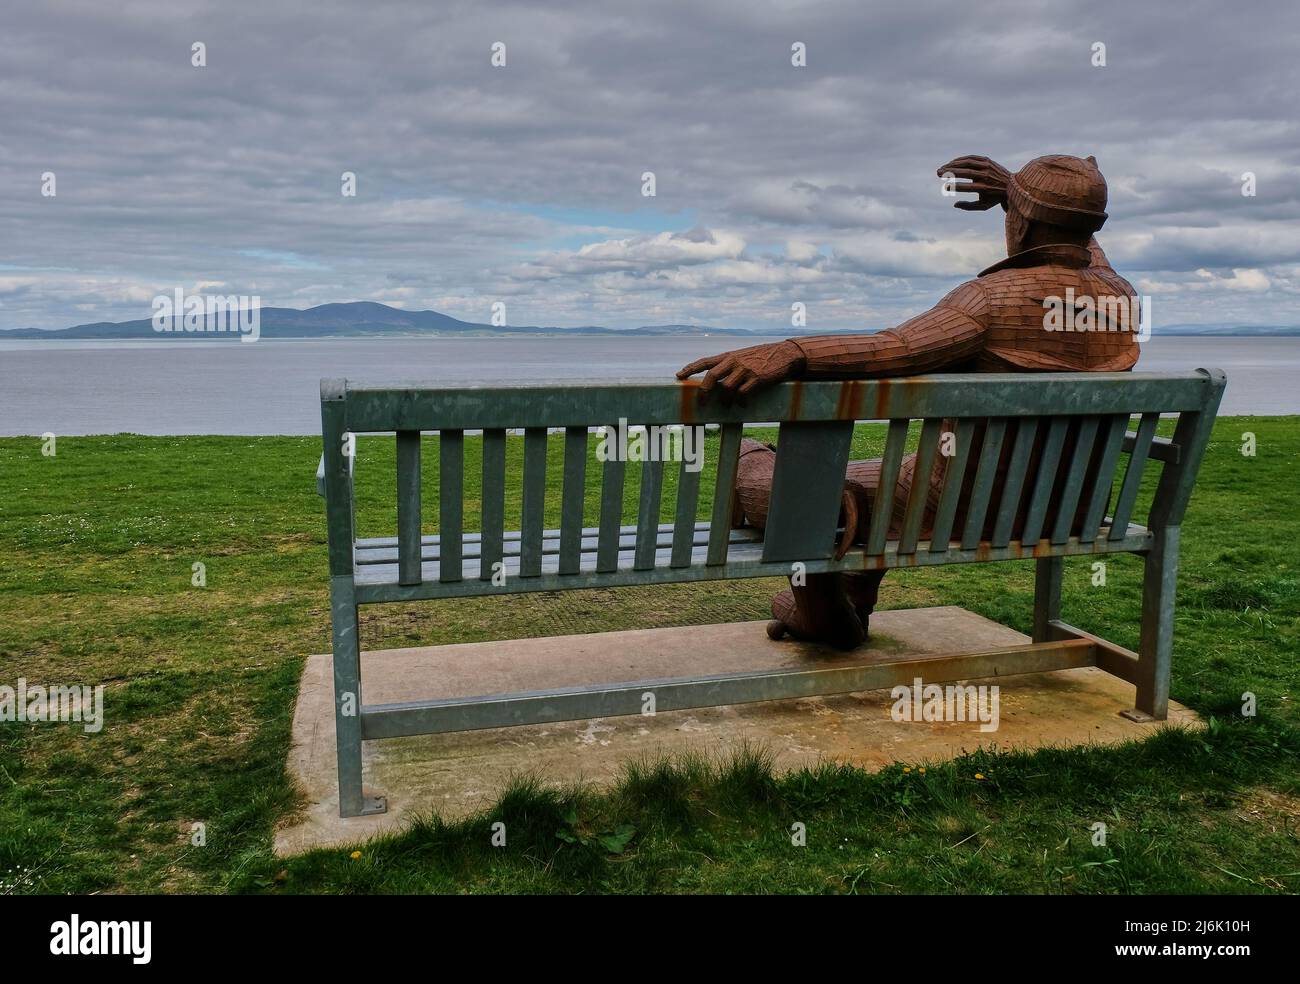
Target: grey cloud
[[476, 182]]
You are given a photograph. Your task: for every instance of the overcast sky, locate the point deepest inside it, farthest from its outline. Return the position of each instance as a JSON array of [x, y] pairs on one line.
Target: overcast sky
[[523, 183]]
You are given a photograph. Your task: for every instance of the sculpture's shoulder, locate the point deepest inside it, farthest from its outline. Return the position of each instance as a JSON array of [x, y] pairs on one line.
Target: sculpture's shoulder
[[1109, 282], [1054, 278], [971, 298]]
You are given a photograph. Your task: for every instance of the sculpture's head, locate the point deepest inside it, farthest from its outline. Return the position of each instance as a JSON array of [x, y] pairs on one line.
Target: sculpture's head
[[1055, 199]]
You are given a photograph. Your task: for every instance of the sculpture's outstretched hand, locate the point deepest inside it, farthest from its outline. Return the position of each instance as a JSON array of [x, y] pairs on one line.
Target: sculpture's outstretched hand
[[981, 175], [748, 369]]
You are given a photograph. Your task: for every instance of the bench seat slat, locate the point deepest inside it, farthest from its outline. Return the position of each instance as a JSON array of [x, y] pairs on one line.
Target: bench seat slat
[[744, 557], [509, 536], [665, 536]]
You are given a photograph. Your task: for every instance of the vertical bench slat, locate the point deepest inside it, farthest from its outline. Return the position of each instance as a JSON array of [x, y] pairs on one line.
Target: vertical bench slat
[[807, 490], [883, 506], [647, 522], [493, 499], [1110, 439], [534, 506], [952, 483], [574, 498], [688, 497], [1069, 504], [1137, 461], [724, 491], [985, 474], [1017, 468], [611, 510], [1045, 480], [919, 498], [408, 507], [451, 499]]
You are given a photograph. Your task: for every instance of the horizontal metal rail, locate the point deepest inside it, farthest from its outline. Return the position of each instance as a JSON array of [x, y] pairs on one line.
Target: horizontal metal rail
[[427, 406], [682, 693]]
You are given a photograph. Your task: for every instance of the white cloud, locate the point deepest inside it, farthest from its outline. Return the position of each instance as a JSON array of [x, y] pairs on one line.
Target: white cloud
[[524, 182]]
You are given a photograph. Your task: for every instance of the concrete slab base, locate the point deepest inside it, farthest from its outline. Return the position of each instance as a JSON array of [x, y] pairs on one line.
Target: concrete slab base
[[456, 774]]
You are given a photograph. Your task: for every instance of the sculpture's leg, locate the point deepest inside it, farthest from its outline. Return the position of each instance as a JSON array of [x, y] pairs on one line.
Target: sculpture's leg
[[1155, 647], [831, 608], [864, 590]]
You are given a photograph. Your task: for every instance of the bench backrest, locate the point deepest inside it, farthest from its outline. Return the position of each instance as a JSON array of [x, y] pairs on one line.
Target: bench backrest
[[1075, 427]]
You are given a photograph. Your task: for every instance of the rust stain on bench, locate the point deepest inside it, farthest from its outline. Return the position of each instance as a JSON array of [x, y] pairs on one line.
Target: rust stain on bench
[[689, 393], [849, 404], [796, 400]]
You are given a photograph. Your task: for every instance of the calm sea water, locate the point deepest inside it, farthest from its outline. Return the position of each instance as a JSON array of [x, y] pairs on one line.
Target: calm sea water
[[273, 387]]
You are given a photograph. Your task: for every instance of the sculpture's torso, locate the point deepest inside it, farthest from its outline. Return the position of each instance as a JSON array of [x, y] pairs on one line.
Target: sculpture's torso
[[1009, 300]]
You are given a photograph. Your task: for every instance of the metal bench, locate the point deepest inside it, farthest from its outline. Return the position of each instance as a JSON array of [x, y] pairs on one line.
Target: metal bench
[[1098, 479]]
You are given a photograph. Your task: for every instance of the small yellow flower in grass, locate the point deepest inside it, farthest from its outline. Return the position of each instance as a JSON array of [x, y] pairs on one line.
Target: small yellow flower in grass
[[355, 855], [907, 768], [921, 770], [979, 775]]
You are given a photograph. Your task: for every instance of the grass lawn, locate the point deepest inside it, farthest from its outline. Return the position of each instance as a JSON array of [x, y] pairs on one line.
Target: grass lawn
[[99, 541]]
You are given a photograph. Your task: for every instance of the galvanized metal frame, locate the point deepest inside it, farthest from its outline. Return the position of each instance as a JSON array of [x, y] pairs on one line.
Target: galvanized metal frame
[[816, 421]]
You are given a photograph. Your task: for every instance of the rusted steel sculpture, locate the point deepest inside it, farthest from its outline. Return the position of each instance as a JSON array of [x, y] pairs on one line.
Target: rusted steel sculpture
[[994, 323]]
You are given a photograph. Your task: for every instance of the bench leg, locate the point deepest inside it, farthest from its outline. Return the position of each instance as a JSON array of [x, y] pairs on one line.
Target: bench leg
[[1157, 638], [1047, 596], [347, 701]]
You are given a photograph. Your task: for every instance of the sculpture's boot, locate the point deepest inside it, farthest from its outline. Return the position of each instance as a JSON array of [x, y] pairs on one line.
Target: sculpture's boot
[[820, 610], [863, 589], [825, 608]]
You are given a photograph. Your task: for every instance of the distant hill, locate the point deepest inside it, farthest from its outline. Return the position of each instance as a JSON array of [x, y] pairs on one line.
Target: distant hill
[[357, 319], [1234, 330], [369, 319]]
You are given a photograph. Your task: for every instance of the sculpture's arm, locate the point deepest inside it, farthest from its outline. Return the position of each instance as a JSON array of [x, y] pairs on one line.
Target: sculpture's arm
[[950, 333]]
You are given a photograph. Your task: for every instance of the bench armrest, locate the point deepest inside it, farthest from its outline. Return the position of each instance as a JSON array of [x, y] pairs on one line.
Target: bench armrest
[[1162, 448]]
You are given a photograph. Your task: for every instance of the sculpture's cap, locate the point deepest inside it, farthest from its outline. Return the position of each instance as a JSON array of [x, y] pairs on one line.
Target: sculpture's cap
[[1061, 191]]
